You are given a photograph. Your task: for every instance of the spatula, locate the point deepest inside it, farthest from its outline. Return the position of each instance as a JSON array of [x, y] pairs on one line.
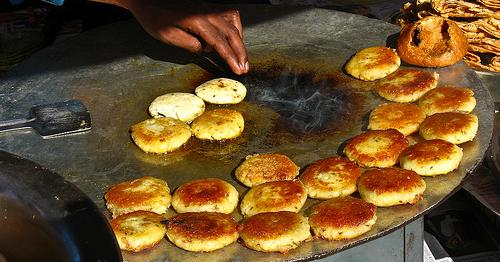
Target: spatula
[[53, 120]]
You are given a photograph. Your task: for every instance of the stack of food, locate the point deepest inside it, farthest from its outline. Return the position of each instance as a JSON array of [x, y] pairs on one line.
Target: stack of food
[[169, 129], [382, 167], [479, 20]]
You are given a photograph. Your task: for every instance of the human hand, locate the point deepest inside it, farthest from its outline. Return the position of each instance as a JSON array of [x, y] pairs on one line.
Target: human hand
[[196, 27]]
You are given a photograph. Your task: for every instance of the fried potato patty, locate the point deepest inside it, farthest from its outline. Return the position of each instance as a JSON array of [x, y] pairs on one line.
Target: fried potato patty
[[261, 168], [160, 135], [392, 186], [284, 195], [145, 193], [406, 118], [407, 85], [221, 91], [373, 63], [138, 230], [454, 127], [202, 231], [331, 177], [376, 148], [218, 124], [275, 231], [447, 99], [342, 218], [183, 106], [205, 195], [431, 157]]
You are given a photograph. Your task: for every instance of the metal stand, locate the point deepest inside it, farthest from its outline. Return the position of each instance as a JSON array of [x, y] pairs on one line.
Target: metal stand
[[405, 244]]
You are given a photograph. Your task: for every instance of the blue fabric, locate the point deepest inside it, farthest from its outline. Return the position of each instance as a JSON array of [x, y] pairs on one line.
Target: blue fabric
[[54, 2]]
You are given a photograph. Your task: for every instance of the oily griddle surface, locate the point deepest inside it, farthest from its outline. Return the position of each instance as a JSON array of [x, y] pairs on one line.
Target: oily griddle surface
[[300, 103]]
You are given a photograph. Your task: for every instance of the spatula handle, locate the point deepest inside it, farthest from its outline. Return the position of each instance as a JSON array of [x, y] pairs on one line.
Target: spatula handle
[[14, 124]]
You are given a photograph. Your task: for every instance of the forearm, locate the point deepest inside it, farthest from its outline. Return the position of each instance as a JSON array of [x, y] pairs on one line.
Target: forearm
[[127, 4]]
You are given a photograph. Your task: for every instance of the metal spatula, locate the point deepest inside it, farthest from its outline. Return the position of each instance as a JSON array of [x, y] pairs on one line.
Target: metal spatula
[[52, 120]]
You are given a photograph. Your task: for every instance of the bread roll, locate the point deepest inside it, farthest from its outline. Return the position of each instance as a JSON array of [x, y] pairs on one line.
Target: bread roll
[[432, 42]]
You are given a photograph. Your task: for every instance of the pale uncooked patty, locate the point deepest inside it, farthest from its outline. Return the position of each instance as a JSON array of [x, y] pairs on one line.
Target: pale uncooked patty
[[221, 91], [183, 106]]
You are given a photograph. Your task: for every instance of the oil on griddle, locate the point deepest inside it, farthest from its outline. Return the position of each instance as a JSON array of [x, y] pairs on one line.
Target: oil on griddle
[[293, 106]]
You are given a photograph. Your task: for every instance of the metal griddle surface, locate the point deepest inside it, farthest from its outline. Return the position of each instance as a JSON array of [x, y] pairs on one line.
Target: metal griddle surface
[[118, 70]]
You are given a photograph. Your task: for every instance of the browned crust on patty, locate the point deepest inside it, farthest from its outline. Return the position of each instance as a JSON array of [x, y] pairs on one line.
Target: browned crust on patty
[[336, 164], [218, 116], [417, 82], [429, 151], [386, 56], [200, 191], [202, 225], [383, 180], [397, 116], [391, 153], [269, 225], [442, 124], [267, 167], [122, 197], [220, 124], [289, 192], [446, 98], [171, 131], [151, 216], [342, 212], [117, 226]]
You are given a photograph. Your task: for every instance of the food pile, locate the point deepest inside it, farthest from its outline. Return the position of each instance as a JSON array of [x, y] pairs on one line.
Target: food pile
[[478, 19], [171, 113], [379, 168]]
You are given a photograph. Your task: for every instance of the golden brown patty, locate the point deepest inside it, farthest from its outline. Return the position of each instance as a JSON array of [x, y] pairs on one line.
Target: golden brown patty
[[205, 195], [160, 135], [376, 148], [454, 127], [342, 218], [218, 124], [138, 230], [145, 193], [407, 85], [261, 168], [447, 99], [284, 195], [373, 63], [391, 186], [202, 231], [275, 231], [406, 118], [431, 157], [331, 177]]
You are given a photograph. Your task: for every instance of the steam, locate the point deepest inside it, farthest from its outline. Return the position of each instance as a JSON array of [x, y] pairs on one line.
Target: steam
[[306, 105]]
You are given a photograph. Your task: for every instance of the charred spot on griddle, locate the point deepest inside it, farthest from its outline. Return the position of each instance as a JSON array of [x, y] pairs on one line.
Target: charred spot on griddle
[[310, 103]]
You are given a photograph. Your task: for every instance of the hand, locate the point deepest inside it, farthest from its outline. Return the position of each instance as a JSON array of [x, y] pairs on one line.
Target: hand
[[193, 26]]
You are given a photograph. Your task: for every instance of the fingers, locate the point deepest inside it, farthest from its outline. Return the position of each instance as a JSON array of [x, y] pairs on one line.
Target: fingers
[[219, 42], [177, 37], [233, 17], [233, 38], [190, 28], [225, 39]]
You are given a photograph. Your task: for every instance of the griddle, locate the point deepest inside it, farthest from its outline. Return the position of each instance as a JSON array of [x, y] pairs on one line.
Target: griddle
[[300, 103]]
